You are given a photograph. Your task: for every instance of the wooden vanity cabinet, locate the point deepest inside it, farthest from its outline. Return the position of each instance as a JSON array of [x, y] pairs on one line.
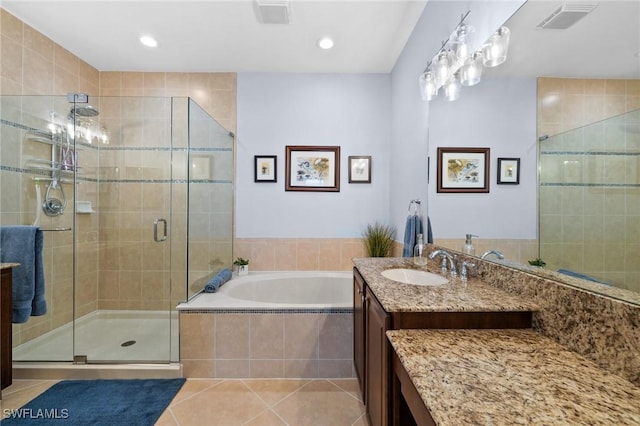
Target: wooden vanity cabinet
[[5, 329], [359, 327], [372, 350]]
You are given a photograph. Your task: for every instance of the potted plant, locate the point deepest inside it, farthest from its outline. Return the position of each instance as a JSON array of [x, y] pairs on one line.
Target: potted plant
[[242, 265], [538, 262], [378, 239]]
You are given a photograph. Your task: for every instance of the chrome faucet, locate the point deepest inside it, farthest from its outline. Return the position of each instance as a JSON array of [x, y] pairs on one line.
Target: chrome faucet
[[498, 254], [464, 270], [445, 256]]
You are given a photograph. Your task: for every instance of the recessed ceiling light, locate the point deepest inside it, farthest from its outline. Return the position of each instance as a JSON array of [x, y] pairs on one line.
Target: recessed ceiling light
[[325, 43], [148, 41]]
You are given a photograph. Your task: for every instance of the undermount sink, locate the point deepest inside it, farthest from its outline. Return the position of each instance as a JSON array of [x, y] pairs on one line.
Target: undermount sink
[[414, 276]]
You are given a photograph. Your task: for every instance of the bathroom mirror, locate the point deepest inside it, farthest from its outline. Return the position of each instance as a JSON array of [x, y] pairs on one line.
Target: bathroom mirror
[[604, 44]]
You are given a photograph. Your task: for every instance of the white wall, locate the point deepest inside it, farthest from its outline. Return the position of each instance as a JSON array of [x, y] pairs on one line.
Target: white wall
[[410, 115], [279, 109]]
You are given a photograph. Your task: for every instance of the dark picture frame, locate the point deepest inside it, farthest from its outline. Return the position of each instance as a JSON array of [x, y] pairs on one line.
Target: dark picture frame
[[359, 168], [508, 171], [265, 168], [312, 168], [463, 170]]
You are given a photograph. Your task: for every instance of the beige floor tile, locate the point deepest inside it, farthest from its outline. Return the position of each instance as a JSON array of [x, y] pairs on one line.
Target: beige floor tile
[[192, 387], [23, 391], [166, 419], [362, 421], [320, 402], [266, 418], [273, 391], [228, 403], [351, 386]]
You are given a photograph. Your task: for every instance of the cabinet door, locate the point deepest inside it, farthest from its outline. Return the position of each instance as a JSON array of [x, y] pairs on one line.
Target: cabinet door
[[359, 358], [377, 362]]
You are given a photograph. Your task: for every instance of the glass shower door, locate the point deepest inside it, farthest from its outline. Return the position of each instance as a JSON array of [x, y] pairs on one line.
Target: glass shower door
[[123, 222]]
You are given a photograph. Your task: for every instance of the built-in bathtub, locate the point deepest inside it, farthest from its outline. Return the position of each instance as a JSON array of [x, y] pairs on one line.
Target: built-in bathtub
[[271, 324]]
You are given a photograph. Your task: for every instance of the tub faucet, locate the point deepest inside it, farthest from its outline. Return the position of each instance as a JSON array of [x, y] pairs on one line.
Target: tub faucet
[[445, 256], [498, 254]]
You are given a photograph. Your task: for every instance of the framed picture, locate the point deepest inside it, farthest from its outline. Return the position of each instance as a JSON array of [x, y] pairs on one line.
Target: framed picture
[[265, 168], [359, 169], [509, 171], [463, 170], [312, 168]]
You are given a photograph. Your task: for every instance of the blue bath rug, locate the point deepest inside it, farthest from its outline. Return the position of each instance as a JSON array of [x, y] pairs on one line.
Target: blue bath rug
[[97, 402]]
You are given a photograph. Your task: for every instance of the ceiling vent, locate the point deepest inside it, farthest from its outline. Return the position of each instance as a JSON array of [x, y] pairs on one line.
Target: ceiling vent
[[567, 15], [273, 11]]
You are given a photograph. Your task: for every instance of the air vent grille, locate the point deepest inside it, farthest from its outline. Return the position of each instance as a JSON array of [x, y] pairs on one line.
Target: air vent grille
[[567, 15], [273, 11]]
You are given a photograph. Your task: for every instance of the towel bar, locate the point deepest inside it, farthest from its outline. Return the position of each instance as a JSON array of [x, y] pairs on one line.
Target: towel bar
[[56, 229]]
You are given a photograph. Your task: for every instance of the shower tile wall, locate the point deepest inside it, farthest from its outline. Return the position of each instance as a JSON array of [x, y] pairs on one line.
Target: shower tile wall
[[597, 226], [32, 64]]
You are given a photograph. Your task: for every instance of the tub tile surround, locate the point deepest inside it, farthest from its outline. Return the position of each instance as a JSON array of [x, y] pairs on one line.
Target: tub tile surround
[[266, 345], [299, 254]]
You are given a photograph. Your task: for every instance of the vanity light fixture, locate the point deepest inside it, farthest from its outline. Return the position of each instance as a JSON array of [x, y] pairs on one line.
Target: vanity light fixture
[[325, 43], [454, 65], [148, 41]]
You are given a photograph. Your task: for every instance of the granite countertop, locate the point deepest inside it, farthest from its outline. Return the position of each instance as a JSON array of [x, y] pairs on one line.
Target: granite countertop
[[8, 265], [511, 377], [455, 296]]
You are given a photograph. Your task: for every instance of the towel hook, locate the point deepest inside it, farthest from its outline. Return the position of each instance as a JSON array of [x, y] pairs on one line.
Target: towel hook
[[417, 204]]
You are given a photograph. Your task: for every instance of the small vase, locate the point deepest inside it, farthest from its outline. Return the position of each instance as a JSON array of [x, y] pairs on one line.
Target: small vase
[[243, 269]]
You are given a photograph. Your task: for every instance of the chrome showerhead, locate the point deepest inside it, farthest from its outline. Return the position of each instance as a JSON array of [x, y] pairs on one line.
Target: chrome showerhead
[[83, 111]]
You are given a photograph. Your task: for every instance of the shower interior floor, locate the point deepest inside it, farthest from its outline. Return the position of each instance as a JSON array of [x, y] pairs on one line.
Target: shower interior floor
[[106, 337]]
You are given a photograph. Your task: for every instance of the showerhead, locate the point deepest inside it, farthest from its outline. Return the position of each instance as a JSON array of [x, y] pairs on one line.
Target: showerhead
[[83, 111]]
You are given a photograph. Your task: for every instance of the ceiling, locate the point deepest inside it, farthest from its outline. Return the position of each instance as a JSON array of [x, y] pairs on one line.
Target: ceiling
[[219, 36]]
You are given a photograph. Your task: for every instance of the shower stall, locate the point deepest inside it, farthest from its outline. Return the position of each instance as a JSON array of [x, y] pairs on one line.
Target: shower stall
[[589, 201], [135, 199]]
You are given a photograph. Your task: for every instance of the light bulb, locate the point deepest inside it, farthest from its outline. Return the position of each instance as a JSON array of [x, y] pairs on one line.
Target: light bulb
[[494, 51], [452, 88], [428, 87], [471, 71]]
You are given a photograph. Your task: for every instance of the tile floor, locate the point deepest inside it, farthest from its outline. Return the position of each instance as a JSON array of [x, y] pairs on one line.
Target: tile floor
[[253, 402]]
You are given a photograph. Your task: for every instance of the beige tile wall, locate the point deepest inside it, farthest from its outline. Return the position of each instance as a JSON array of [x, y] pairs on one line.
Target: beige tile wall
[[266, 345], [591, 229], [299, 254], [32, 64]]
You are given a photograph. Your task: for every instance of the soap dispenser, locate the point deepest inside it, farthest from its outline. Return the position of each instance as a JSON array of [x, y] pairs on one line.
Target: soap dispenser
[[419, 252], [468, 247]]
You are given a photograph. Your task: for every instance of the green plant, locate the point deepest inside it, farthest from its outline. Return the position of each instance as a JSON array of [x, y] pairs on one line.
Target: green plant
[[538, 262], [378, 239], [241, 262]]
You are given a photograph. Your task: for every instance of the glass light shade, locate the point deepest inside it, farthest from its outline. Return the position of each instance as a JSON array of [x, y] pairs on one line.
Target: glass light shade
[[471, 71], [494, 51], [428, 87], [452, 88], [442, 67], [461, 41]]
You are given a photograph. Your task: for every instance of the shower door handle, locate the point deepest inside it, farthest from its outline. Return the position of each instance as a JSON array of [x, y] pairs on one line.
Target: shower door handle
[[155, 230]]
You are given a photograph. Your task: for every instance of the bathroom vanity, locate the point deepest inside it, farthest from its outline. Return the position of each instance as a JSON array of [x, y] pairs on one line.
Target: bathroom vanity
[[381, 304], [453, 377], [5, 324]]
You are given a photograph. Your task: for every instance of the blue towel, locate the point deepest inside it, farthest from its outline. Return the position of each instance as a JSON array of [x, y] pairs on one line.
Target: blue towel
[[23, 245], [220, 278], [412, 228]]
